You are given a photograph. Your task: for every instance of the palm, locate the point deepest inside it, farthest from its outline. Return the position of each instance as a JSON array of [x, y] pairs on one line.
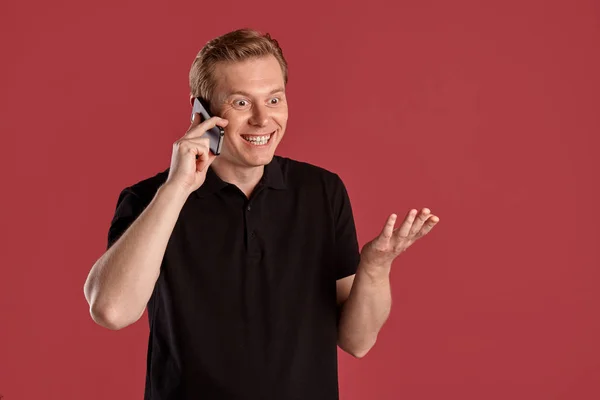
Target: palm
[[392, 241]]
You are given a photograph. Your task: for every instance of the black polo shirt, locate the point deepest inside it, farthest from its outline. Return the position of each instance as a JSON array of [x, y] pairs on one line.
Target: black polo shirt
[[245, 304]]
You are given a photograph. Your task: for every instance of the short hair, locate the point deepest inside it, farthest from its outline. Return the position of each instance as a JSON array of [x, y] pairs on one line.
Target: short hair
[[234, 46]]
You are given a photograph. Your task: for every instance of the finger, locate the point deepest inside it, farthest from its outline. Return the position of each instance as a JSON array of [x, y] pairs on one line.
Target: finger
[[204, 159], [429, 224], [197, 145], [201, 128], [202, 154], [404, 229], [201, 141], [419, 221], [388, 228], [193, 146]]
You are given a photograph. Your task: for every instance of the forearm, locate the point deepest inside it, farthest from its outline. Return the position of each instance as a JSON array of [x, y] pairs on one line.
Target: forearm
[[121, 282], [366, 309]]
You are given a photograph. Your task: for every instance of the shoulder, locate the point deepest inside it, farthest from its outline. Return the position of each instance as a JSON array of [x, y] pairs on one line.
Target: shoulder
[[315, 182], [301, 173], [145, 189]]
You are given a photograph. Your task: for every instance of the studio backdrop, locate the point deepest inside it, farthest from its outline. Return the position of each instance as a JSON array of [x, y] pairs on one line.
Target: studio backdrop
[[485, 112]]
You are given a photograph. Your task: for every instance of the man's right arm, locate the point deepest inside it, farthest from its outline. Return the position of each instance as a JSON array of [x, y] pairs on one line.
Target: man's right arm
[[121, 281]]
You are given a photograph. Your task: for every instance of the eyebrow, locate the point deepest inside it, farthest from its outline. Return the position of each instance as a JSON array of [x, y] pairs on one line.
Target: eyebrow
[[243, 93]]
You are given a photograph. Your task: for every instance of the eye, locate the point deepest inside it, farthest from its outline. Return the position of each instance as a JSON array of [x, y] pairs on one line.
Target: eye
[[274, 100], [241, 103]]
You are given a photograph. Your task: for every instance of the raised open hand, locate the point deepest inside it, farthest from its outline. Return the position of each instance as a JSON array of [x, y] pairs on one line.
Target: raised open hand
[[382, 250]]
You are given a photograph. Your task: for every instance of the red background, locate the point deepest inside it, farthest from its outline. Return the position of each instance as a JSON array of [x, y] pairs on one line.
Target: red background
[[485, 112]]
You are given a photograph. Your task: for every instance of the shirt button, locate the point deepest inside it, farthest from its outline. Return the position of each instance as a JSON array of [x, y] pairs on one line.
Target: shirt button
[[249, 207], [252, 235]]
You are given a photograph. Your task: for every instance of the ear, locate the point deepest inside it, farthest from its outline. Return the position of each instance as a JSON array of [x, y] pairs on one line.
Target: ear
[[192, 100]]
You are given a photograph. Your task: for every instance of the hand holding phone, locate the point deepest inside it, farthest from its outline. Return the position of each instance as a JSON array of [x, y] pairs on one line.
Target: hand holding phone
[[194, 152], [215, 134]]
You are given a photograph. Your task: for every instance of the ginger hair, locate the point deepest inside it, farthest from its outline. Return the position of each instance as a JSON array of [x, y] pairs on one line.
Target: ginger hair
[[234, 46]]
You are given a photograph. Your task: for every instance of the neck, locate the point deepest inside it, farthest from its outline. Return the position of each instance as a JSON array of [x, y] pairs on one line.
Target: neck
[[245, 178]]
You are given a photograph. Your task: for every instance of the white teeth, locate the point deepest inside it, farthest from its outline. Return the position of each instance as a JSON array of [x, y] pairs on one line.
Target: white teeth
[[257, 140]]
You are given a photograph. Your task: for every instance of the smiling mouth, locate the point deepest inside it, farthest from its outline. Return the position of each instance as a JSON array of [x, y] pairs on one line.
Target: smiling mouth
[[258, 140]]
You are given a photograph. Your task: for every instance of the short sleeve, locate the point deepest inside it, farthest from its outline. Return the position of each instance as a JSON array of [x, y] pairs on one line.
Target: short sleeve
[[347, 253], [129, 207]]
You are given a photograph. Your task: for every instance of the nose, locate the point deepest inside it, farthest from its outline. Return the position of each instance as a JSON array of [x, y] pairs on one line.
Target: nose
[[260, 116]]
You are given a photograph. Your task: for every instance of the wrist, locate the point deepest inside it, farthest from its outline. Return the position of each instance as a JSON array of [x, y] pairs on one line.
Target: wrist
[[377, 273], [173, 192]]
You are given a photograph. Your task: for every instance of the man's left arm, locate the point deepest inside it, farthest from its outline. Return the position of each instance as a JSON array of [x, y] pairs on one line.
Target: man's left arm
[[365, 298]]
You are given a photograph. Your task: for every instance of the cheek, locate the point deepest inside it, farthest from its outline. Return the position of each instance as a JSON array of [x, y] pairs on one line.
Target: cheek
[[280, 117], [235, 122]]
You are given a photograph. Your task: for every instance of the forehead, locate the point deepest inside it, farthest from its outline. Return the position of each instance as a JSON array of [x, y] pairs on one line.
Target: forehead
[[256, 76]]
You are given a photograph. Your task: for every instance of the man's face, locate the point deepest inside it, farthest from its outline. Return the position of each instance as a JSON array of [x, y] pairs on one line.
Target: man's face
[[251, 96]]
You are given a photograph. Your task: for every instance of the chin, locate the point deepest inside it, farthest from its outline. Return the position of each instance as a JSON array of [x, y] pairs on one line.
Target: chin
[[259, 161]]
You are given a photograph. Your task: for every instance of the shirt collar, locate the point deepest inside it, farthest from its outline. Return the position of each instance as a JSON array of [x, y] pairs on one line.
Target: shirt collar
[[272, 178]]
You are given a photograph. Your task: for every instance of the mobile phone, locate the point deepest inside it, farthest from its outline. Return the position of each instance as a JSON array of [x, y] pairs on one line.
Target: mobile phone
[[215, 134]]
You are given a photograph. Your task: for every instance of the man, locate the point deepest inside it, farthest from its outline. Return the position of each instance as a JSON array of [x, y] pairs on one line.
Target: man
[[248, 262]]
